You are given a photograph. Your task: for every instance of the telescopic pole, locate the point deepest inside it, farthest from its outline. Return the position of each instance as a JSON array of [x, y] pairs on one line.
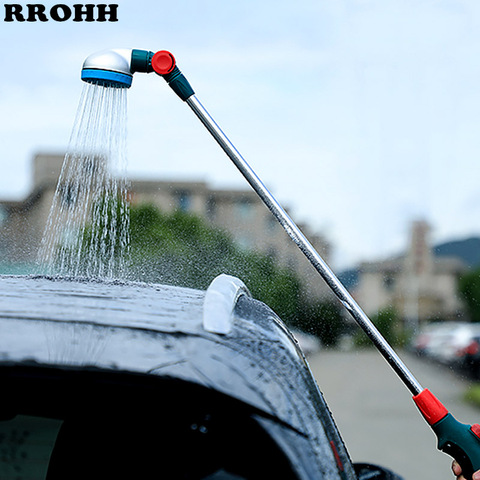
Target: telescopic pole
[[305, 246]]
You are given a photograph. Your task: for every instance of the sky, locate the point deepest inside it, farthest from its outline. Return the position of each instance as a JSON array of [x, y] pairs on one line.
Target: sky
[[359, 115]]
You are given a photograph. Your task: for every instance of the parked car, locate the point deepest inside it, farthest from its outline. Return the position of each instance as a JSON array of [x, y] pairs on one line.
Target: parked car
[[469, 358], [421, 341], [118, 380], [444, 342], [309, 344]]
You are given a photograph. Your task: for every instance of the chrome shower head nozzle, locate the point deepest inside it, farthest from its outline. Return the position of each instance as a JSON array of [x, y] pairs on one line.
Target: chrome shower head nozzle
[[115, 68]]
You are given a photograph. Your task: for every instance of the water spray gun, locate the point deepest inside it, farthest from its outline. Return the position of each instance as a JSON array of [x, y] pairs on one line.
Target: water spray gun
[[115, 68]]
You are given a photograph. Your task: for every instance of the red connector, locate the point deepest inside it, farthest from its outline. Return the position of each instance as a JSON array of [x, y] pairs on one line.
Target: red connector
[[432, 409], [163, 62]]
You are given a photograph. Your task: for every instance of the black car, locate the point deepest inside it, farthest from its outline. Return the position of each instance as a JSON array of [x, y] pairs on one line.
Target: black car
[[469, 358], [107, 380]]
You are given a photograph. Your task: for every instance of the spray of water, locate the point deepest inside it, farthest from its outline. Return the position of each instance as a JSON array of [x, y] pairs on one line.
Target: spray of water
[[87, 229]]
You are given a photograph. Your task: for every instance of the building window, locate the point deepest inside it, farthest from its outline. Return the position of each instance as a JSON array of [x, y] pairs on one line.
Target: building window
[[184, 200], [69, 194], [271, 222], [3, 215], [389, 282], [244, 208], [211, 207]]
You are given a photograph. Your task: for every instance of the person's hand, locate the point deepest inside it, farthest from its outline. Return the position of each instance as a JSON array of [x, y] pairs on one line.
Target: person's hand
[[457, 470]]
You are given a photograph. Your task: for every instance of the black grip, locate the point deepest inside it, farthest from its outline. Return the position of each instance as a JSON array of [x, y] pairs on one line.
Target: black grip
[[461, 457]]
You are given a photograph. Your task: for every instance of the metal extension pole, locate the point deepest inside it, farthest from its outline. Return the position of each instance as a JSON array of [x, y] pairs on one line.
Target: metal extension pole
[[306, 247]]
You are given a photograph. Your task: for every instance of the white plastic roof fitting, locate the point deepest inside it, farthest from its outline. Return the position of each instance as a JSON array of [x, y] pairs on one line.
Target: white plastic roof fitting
[[220, 300]]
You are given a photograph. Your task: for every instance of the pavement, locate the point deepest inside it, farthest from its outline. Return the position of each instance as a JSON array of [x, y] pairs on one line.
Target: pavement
[[376, 415]]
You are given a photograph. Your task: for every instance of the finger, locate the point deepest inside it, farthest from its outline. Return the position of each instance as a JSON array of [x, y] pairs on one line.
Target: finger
[[457, 470]]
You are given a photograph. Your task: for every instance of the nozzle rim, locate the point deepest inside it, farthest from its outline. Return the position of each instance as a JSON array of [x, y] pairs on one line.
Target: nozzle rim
[[106, 78]]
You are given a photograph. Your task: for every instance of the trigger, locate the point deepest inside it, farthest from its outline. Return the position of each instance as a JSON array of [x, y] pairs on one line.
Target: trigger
[[475, 428], [460, 456]]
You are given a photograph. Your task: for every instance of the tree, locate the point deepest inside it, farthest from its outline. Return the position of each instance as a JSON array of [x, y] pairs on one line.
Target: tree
[[322, 319], [388, 324], [181, 249], [469, 288]]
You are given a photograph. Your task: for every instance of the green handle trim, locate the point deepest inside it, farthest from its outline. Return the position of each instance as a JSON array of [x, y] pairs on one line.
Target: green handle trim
[[457, 440], [179, 84], [141, 61]]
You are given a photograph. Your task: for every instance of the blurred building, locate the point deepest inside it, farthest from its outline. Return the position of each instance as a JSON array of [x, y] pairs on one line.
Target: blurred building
[[417, 284], [239, 212]]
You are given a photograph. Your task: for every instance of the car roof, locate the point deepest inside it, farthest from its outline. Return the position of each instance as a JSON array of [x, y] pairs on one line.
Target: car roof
[[160, 330]]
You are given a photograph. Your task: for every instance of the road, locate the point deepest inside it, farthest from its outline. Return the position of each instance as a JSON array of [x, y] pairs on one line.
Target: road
[[377, 417]]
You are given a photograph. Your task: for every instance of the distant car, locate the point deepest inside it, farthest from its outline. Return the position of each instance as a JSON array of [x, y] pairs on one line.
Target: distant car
[[309, 344], [117, 380], [444, 341], [469, 358], [421, 341]]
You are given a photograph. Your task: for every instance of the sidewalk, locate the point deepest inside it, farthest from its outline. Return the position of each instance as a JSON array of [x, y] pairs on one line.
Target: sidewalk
[[377, 417]]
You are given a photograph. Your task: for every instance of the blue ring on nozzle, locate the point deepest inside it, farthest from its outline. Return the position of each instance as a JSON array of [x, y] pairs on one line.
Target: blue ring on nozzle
[[107, 78]]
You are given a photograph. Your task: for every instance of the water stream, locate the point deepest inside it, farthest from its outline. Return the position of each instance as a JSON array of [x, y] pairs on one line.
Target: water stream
[[87, 229]]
